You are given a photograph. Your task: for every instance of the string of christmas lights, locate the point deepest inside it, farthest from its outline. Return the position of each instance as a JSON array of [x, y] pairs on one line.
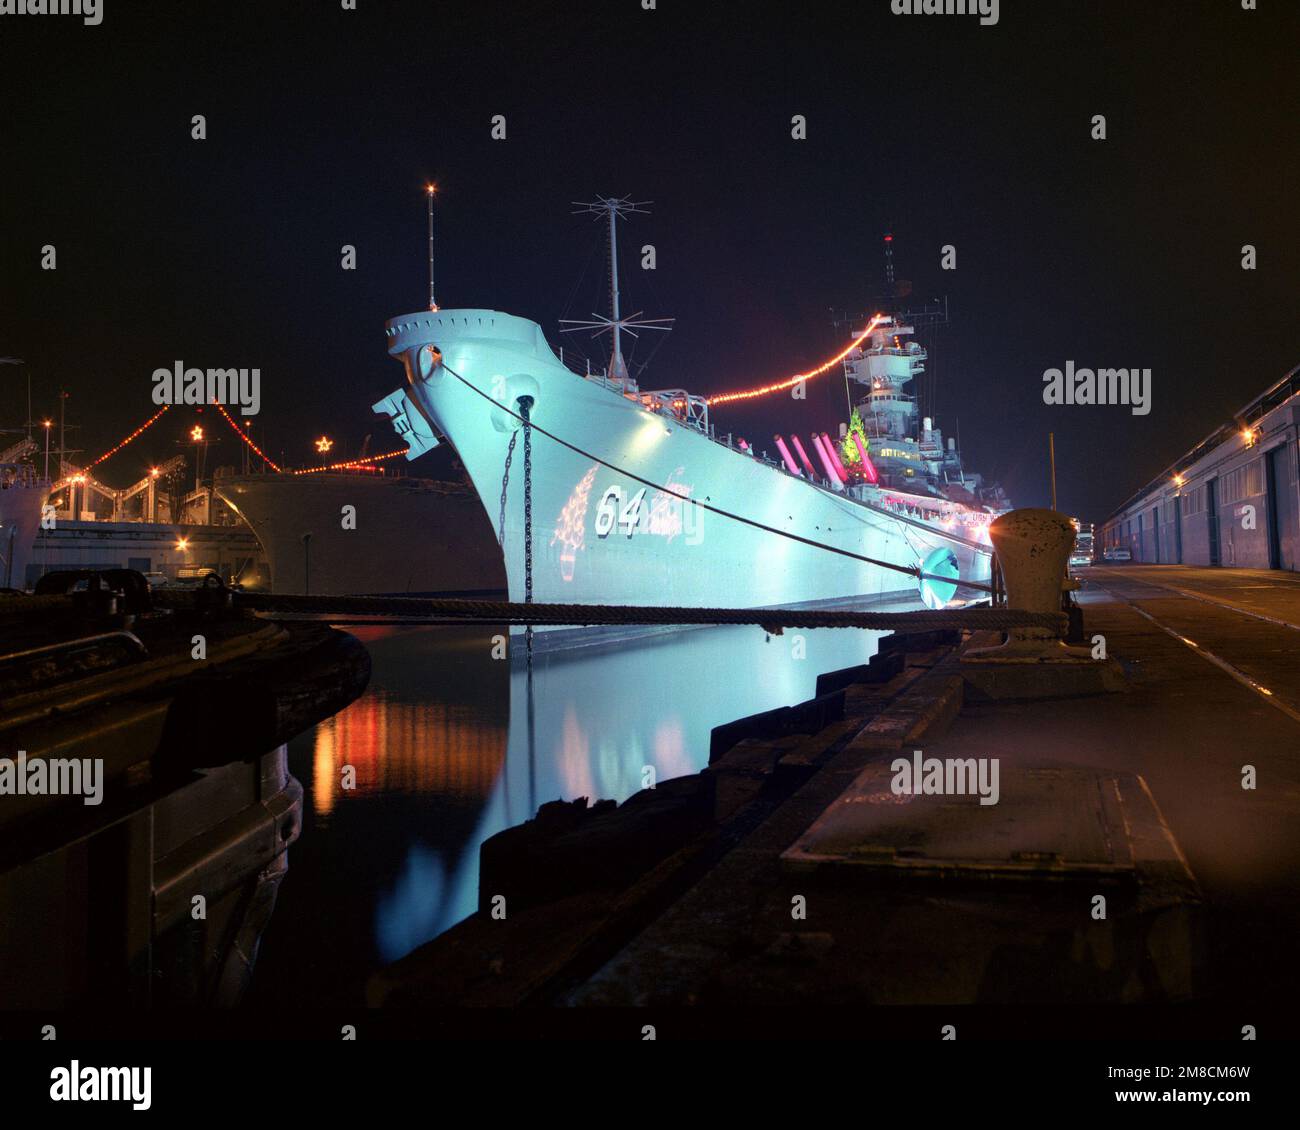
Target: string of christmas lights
[[353, 464], [765, 390], [134, 435], [243, 435]]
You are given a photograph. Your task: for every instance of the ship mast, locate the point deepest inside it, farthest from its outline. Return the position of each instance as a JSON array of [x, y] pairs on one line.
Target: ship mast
[[612, 208], [429, 190]]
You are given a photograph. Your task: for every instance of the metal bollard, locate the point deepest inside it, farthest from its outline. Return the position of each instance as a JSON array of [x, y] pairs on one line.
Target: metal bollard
[[1033, 547]]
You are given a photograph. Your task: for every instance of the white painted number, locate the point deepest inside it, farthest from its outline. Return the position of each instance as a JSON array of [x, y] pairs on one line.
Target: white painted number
[[631, 513], [607, 512], [616, 509]]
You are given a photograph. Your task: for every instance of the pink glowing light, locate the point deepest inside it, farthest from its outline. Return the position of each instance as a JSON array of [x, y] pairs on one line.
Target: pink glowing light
[[803, 457], [824, 456], [868, 467], [835, 458], [786, 457]]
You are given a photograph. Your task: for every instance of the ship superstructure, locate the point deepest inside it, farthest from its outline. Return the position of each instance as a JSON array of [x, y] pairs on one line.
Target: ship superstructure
[[57, 515], [412, 536], [903, 455], [904, 459]]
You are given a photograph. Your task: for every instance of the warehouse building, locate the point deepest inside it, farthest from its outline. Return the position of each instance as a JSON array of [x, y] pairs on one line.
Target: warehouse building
[[1231, 500]]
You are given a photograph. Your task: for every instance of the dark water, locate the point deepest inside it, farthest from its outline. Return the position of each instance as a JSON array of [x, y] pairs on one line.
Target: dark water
[[449, 747]]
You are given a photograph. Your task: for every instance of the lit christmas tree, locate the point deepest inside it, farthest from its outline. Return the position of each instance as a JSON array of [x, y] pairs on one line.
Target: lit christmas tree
[[847, 446]]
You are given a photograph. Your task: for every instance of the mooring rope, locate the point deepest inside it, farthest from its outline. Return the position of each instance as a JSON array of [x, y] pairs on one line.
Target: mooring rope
[[910, 570], [576, 615]]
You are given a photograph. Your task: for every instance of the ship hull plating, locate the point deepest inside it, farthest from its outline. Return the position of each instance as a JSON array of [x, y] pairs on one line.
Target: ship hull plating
[[613, 485], [408, 536], [20, 520]]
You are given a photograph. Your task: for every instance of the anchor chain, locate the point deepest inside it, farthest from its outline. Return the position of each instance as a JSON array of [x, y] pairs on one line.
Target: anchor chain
[[525, 411], [505, 482]]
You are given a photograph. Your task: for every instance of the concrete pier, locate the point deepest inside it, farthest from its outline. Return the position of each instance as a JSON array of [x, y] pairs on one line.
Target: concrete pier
[[1176, 799]]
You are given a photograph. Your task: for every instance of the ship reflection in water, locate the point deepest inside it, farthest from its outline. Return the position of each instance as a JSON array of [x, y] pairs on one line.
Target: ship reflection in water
[[450, 746]]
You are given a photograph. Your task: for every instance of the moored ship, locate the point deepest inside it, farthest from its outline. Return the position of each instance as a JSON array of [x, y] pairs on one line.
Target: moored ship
[[616, 474], [22, 496], [347, 529], [634, 500], [406, 536]]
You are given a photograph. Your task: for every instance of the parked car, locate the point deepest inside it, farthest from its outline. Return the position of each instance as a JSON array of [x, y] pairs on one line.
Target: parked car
[[1117, 553], [157, 580], [190, 576]]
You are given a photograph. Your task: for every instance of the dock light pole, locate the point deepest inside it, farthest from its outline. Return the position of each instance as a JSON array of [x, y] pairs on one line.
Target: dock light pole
[[63, 447], [1051, 458], [48, 424]]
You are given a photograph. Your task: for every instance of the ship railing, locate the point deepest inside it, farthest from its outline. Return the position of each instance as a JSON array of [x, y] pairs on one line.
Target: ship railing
[[581, 366], [675, 402], [18, 475], [692, 411], [600, 378], [624, 388]]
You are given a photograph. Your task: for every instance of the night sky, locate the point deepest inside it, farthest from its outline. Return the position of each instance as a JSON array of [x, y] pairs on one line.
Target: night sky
[[323, 125]]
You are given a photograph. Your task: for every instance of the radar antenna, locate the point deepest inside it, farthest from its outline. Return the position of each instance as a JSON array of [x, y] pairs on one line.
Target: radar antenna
[[613, 208]]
